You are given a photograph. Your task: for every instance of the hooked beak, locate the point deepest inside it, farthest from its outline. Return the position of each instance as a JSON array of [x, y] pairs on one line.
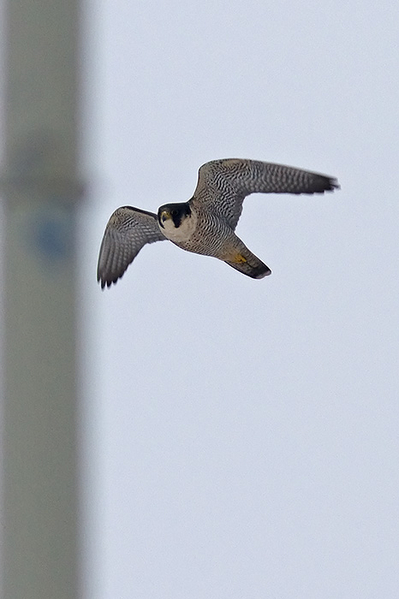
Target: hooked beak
[[165, 215]]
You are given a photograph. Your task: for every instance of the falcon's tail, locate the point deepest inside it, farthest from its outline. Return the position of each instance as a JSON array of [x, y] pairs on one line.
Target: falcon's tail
[[247, 263]]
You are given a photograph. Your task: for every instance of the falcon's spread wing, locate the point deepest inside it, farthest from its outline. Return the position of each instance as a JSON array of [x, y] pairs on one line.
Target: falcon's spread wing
[[223, 184], [127, 231]]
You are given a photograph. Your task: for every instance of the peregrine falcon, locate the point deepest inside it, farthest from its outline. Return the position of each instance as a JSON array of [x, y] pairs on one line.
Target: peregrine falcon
[[206, 223]]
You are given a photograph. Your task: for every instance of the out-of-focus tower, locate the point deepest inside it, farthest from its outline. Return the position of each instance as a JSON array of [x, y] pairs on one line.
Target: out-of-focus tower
[[40, 185]]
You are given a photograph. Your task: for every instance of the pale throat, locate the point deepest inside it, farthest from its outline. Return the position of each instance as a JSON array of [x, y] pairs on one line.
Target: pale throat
[[182, 233]]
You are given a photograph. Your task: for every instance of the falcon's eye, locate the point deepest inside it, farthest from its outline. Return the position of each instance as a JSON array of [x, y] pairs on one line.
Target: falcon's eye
[[174, 212]]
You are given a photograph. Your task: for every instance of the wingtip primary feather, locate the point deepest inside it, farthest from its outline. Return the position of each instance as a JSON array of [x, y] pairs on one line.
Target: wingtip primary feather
[[332, 184]]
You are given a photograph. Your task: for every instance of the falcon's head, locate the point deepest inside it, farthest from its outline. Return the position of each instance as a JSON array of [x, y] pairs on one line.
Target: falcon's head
[[172, 215], [177, 222]]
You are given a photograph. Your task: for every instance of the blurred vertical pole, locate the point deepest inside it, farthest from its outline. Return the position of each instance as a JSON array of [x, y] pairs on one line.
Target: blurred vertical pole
[[40, 186]]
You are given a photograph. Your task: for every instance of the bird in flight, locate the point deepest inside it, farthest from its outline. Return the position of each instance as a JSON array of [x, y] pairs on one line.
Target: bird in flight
[[206, 223]]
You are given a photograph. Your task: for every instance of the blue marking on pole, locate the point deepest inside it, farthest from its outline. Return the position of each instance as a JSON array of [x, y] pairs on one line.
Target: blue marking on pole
[[53, 234]]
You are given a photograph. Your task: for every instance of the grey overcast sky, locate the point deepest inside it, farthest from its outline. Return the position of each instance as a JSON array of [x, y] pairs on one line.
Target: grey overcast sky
[[242, 435]]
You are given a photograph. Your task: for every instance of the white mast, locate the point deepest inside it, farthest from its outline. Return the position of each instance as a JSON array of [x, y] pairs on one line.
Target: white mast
[[40, 186]]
